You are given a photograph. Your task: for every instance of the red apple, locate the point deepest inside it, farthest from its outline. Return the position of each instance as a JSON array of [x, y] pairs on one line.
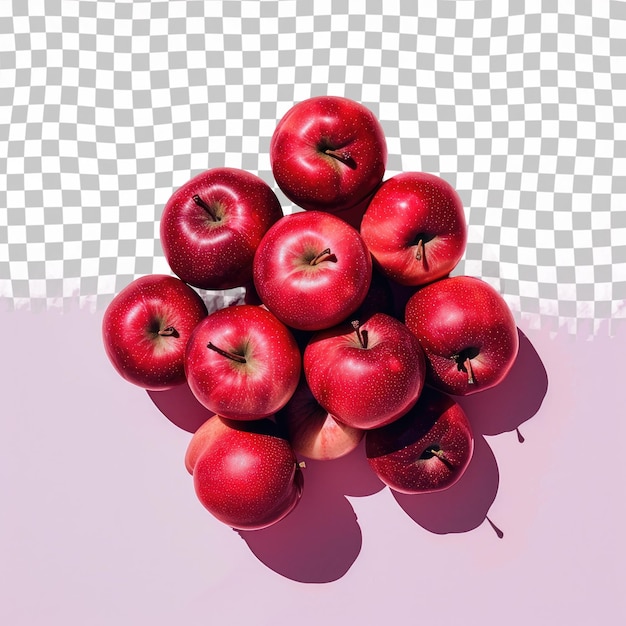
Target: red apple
[[415, 228], [328, 153], [242, 363], [467, 332], [312, 431], [366, 375], [245, 474], [212, 225], [426, 450], [312, 270], [146, 327]]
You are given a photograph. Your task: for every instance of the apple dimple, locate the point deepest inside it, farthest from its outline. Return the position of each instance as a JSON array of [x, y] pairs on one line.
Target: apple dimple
[[339, 153], [214, 215]]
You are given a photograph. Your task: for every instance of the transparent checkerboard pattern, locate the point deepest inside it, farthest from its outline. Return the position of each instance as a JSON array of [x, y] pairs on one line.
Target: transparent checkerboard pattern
[[106, 107]]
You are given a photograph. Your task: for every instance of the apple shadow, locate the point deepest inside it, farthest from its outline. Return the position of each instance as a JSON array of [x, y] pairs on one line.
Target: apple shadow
[[180, 406], [320, 539], [463, 506], [513, 401], [349, 475]]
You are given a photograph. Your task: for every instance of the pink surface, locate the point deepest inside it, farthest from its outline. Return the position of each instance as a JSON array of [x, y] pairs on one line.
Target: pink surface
[[100, 524]]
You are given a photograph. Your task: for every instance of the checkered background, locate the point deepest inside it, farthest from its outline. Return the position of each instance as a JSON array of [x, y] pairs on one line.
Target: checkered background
[[107, 106]]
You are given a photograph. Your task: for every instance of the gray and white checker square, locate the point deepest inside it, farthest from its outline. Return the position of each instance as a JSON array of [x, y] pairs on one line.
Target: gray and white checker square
[[106, 107]]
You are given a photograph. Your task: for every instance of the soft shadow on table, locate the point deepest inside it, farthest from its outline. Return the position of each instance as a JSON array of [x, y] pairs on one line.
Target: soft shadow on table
[[465, 505], [180, 406], [320, 540], [515, 400]]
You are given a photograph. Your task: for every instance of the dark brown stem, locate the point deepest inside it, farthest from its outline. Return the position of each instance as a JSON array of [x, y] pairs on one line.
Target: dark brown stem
[[324, 255], [206, 206], [170, 331], [361, 334], [238, 358], [419, 254]]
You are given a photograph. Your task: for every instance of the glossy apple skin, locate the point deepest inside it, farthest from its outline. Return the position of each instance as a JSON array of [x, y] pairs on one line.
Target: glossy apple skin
[[256, 388], [401, 453], [458, 318], [244, 474], [312, 431], [309, 296], [217, 253], [365, 387], [315, 180], [407, 208], [133, 320]]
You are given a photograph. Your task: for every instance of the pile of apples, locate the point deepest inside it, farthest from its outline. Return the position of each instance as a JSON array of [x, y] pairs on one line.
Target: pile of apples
[[350, 327]]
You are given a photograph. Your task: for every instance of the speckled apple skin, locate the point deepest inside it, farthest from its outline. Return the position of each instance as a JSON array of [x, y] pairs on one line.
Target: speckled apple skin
[[248, 478], [129, 326], [365, 387], [217, 254], [314, 180], [395, 451], [457, 314], [309, 297], [243, 391], [406, 206]]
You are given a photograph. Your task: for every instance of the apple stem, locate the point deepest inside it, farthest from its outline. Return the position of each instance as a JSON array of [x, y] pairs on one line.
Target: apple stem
[[470, 372], [340, 155], [170, 331], [230, 355], [324, 255], [419, 254], [361, 334], [441, 456], [206, 206], [520, 437]]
